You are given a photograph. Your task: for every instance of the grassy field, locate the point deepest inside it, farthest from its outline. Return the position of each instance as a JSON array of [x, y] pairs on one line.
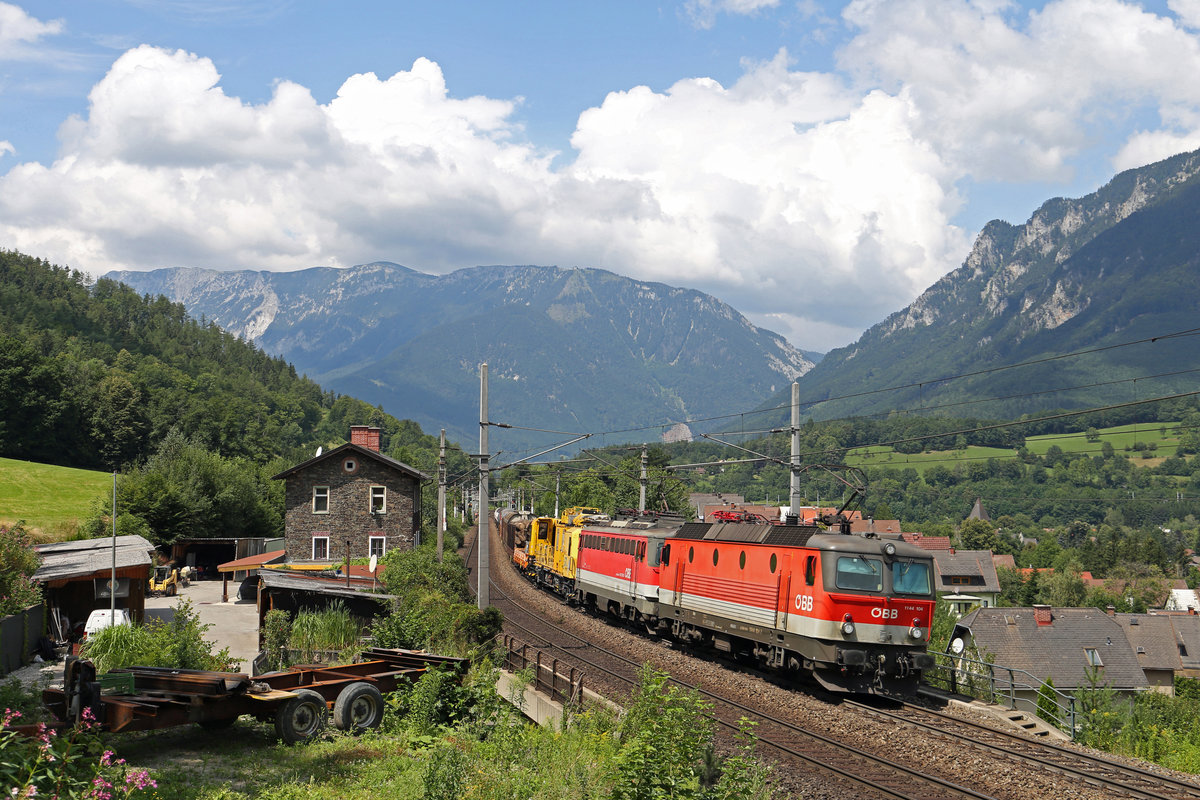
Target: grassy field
[[1159, 434], [51, 500]]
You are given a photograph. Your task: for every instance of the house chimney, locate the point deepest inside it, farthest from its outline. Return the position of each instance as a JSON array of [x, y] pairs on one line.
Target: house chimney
[[1111, 610], [1192, 610], [1042, 615], [365, 436], [951, 551]]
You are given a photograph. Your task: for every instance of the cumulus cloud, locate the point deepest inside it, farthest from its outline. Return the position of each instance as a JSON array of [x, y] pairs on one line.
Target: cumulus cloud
[[18, 30], [1005, 95], [816, 203]]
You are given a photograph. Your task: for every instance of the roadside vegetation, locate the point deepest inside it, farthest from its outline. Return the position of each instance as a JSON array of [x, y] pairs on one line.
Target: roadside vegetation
[[441, 740]]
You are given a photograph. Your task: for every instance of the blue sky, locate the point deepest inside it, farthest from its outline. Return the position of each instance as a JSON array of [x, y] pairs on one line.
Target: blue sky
[[816, 165]]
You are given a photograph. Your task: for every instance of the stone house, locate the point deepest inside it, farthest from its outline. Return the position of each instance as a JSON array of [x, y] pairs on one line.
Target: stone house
[[352, 497]]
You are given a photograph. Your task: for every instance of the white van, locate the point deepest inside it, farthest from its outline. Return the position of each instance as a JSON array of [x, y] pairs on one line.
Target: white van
[[103, 617]]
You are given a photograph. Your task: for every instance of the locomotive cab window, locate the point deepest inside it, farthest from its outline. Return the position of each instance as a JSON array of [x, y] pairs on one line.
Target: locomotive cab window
[[859, 573], [664, 555], [911, 577], [810, 570]]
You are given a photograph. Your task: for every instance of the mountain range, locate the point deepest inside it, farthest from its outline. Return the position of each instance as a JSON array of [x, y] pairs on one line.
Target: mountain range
[[571, 350], [1097, 273], [1089, 295]]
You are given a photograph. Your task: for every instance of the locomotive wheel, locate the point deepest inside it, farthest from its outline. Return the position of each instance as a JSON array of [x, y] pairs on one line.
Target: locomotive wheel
[[359, 707], [302, 717]]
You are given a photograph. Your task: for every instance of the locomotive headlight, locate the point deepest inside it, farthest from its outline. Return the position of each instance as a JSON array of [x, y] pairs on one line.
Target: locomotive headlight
[[889, 549], [916, 633], [847, 626]]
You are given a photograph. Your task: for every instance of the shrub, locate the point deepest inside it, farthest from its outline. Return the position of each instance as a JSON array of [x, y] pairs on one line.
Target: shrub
[[178, 644], [72, 765]]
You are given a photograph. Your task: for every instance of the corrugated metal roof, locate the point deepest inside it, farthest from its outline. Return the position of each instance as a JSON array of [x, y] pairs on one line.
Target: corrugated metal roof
[[275, 579], [85, 557]]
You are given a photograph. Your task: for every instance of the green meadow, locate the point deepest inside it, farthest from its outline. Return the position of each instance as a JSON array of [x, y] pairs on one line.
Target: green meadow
[[51, 500], [1133, 440]]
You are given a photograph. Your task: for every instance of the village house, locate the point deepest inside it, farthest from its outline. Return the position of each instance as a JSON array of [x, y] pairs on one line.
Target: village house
[[352, 501]]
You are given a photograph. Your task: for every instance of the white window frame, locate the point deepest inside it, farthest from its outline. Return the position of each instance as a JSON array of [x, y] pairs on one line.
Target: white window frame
[[314, 500], [1093, 657], [371, 540], [382, 497], [324, 539]]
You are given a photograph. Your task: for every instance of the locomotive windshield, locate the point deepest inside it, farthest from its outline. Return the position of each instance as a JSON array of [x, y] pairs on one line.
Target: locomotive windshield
[[860, 574], [910, 577]]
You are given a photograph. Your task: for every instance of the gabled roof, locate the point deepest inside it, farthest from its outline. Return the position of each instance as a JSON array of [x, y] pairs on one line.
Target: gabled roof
[[968, 563], [1005, 560], [1152, 639], [86, 557], [361, 452], [927, 542], [1187, 636], [1015, 639]]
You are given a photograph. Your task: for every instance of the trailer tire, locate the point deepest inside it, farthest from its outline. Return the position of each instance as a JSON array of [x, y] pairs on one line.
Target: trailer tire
[[302, 717], [358, 707]]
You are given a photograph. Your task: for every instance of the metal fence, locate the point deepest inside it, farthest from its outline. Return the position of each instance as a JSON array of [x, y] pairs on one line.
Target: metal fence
[[18, 637], [565, 688], [1014, 688]]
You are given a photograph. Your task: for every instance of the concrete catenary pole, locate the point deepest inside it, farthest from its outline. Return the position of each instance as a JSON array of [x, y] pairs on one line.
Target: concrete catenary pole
[[482, 597], [795, 499], [441, 517], [556, 479], [642, 482]]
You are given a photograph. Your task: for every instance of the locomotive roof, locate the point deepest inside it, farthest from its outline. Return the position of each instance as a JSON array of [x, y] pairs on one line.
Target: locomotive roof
[[793, 535], [790, 536]]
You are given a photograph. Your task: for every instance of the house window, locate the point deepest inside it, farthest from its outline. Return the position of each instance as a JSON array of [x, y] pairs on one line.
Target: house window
[[378, 500], [320, 547], [320, 501], [377, 545], [960, 580], [350, 465], [1093, 657]]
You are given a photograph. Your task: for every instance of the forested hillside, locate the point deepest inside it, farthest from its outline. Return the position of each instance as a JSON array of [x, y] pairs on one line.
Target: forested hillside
[[98, 376]]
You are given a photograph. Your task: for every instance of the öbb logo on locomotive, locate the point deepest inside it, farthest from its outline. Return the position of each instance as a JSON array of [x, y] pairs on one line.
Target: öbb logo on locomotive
[[852, 611]]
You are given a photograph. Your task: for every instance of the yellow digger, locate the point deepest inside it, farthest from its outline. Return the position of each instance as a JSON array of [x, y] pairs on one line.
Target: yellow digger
[[165, 580]]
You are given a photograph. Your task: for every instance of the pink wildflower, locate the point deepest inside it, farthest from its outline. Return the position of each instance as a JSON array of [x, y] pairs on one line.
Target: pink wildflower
[[9, 716]]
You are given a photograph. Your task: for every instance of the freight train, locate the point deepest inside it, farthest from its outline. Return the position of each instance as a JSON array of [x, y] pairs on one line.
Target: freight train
[[852, 611]]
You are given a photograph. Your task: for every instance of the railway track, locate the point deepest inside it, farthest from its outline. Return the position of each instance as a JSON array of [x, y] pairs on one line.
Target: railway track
[[1089, 768], [809, 748], [854, 770]]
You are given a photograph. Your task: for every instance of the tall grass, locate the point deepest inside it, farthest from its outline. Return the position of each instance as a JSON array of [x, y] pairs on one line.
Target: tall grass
[[333, 629]]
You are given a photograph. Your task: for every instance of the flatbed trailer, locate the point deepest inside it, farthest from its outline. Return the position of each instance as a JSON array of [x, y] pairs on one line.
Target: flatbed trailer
[[300, 699]]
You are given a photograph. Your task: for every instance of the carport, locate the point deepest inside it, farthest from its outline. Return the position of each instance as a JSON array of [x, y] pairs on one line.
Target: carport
[[76, 577]]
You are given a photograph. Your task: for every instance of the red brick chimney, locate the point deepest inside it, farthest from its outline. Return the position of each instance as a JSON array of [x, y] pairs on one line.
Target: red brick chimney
[[1042, 615], [365, 436], [1111, 610]]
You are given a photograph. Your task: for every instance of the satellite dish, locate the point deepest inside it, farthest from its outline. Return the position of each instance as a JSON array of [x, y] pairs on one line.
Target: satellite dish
[[320, 450], [956, 646], [374, 563]]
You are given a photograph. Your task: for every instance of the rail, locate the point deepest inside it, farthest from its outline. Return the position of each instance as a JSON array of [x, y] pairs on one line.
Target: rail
[[1008, 686], [562, 688]]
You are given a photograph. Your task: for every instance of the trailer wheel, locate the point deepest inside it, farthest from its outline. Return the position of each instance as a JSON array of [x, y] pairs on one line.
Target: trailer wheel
[[302, 717], [358, 708]]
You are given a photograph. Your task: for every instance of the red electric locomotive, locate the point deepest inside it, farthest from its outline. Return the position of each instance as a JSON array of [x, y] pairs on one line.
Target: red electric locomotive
[[854, 611]]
